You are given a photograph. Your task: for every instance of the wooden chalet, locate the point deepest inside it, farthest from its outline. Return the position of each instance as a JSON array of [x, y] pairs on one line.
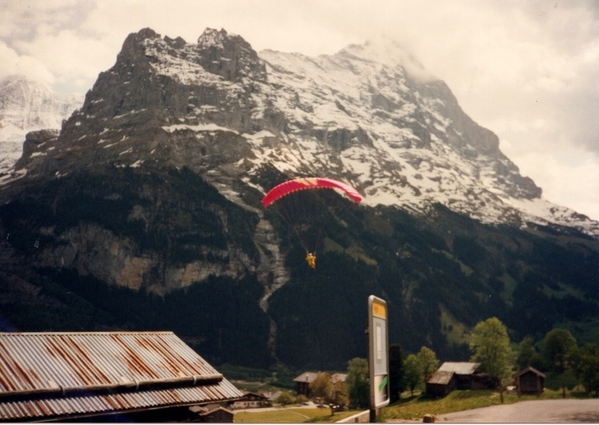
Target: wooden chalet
[[213, 413], [440, 383], [338, 377], [456, 375], [250, 400], [106, 377], [271, 396], [529, 381], [303, 381]]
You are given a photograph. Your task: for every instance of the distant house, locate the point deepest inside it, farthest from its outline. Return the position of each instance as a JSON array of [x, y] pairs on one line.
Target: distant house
[[271, 396], [529, 381], [456, 375], [250, 400], [303, 381], [338, 377], [440, 383], [105, 377], [212, 413]]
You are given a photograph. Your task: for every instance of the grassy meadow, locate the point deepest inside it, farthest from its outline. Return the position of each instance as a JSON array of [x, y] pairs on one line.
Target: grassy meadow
[[292, 414], [408, 408], [414, 408]]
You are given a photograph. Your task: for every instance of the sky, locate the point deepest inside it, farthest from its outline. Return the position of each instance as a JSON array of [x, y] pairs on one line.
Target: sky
[[528, 70]]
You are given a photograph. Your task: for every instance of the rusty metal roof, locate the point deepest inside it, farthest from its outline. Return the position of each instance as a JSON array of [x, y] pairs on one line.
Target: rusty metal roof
[[58, 374]]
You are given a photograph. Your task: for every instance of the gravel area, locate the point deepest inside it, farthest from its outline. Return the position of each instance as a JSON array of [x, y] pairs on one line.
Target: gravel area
[[544, 411]]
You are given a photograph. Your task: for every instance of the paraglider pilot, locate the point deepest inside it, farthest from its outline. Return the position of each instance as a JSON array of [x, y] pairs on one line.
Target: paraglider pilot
[[289, 187], [311, 260]]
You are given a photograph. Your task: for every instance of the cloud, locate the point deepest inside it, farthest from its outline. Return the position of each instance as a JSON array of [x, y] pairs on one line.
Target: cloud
[[81, 62], [27, 66], [34, 19], [570, 176], [527, 70]]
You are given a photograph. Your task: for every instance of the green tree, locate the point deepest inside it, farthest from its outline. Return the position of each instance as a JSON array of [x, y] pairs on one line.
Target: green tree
[[301, 398], [285, 398], [558, 345], [339, 396], [587, 367], [396, 370], [412, 372], [490, 345], [529, 356], [357, 383], [322, 386], [526, 352], [428, 361]]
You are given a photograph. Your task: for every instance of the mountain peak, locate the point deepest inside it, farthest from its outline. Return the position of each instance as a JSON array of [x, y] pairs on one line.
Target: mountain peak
[[228, 55], [214, 37], [369, 114], [385, 50]]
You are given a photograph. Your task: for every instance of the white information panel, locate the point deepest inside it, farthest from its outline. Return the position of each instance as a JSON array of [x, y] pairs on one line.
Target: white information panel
[[378, 361]]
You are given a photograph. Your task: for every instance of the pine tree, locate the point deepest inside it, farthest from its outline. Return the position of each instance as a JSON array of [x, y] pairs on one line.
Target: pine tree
[[396, 372]]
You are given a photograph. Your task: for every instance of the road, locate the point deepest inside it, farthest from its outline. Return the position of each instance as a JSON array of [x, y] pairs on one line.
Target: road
[[544, 411]]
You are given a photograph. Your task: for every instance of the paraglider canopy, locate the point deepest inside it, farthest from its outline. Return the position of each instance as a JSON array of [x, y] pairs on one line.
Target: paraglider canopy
[[288, 203], [291, 186]]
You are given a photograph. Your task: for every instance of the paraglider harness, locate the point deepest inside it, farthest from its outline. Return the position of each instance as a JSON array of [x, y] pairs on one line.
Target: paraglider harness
[[311, 260], [294, 185]]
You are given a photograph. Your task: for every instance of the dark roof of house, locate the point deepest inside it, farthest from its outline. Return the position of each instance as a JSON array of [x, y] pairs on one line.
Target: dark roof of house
[[529, 369], [248, 395], [210, 409], [440, 377], [54, 375]]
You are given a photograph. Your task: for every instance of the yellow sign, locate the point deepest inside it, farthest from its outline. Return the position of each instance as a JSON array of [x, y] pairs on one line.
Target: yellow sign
[[379, 309]]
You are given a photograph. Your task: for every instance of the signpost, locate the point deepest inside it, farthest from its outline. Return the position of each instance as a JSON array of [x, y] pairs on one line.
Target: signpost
[[378, 352]]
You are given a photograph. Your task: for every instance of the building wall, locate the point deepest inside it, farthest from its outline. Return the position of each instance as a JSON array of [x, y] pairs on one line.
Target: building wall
[[437, 389], [303, 388], [218, 416], [249, 401]]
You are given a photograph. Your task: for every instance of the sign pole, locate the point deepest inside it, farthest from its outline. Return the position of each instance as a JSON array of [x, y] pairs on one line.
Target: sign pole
[[378, 355]]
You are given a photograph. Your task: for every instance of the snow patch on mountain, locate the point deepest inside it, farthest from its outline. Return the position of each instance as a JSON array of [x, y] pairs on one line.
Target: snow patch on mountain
[[373, 116]]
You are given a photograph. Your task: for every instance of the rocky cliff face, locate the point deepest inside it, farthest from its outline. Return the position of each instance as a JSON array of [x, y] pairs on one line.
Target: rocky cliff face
[[365, 115]]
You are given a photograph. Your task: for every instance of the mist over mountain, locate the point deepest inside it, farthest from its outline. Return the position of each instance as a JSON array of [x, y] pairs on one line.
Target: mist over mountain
[[150, 195], [26, 106]]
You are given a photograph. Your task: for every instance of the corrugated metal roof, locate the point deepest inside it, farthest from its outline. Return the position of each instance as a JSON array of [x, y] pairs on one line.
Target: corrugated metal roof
[[48, 374], [97, 404], [460, 368]]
